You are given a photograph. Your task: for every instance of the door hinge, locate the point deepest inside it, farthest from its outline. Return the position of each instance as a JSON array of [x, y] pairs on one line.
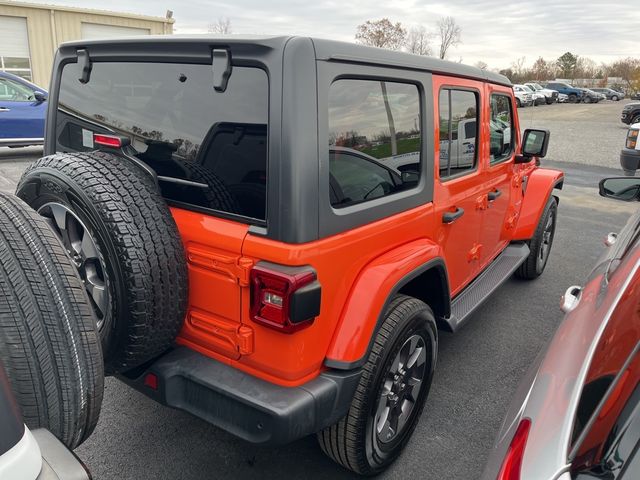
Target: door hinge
[[474, 253], [511, 221]]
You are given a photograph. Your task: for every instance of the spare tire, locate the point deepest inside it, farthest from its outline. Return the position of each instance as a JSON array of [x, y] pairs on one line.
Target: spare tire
[[48, 339], [124, 242]]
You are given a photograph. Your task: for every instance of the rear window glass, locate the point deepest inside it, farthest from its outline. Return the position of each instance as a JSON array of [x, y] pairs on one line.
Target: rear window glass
[[209, 148]]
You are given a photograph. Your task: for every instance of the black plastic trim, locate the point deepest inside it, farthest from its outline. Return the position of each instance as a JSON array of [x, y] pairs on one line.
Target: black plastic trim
[[437, 263], [248, 407], [305, 303], [630, 160]]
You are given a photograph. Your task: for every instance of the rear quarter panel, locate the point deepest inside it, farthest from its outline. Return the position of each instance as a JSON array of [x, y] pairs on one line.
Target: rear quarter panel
[[373, 252]]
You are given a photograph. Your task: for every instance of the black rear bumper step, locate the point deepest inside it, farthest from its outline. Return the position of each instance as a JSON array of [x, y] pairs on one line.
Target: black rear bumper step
[[248, 407]]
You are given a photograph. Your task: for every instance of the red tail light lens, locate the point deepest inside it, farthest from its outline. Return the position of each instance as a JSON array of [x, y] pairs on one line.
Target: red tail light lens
[[513, 460], [111, 141], [284, 298]]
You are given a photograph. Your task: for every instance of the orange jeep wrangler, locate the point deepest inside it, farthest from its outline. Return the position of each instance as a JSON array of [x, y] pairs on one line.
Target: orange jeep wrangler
[[271, 231]]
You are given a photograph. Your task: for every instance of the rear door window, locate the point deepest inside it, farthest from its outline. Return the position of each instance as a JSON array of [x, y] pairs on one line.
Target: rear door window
[[208, 148], [458, 132]]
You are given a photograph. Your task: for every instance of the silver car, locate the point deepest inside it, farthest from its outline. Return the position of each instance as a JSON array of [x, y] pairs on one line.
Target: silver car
[[576, 414]]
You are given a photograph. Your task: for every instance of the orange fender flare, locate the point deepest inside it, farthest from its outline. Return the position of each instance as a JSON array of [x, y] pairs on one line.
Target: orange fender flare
[[539, 187], [375, 286]]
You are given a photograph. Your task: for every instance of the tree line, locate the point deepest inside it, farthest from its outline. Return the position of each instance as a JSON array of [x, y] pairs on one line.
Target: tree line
[[419, 40], [571, 67]]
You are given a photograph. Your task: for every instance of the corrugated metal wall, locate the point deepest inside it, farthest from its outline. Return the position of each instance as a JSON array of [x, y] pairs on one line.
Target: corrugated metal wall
[[48, 28]]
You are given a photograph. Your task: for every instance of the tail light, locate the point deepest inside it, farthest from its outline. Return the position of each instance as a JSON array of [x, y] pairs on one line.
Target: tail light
[[513, 460], [111, 141], [284, 298], [632, 138]]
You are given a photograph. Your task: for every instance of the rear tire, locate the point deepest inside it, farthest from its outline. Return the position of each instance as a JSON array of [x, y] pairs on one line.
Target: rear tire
[[365, 441], [540, 244], [137, 278], [635, 119], [48, 339]]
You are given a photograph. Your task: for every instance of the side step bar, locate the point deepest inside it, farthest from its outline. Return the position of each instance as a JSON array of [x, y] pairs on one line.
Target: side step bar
[[499, 271]]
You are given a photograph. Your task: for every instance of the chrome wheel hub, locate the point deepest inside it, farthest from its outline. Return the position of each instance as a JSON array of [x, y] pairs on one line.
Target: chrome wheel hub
[[400, 389], [84, 254]]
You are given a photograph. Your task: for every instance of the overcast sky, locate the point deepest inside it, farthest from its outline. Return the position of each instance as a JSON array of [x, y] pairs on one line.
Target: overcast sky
[[494, 31]]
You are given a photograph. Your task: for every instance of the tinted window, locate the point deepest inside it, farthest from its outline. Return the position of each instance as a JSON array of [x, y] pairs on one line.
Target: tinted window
[[180, 126], [14, 92], [501, 128], [458, 131], [374, 136]]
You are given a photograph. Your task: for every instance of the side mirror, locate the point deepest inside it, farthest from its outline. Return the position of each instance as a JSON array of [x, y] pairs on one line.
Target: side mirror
[[40, 96], [535, 143], [410, 176], [626, 189]]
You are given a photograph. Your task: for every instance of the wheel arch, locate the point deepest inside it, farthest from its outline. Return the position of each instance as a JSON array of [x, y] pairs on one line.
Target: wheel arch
[[426, 280]]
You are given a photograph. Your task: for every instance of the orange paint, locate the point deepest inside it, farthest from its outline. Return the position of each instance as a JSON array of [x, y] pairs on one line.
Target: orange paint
[[357, 269]]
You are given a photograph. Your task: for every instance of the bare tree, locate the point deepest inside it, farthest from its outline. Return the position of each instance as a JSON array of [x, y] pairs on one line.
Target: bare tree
[[419, 41], [382, 33], [450, 34], [628, 69], [543, 70], [482, 65], [222, 25]]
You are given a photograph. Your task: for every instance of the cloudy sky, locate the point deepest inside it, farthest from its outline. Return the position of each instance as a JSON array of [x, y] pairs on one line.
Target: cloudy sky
[[494, 31]]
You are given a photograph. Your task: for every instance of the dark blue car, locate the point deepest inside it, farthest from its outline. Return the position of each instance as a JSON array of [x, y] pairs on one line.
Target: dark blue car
[[23, 107]]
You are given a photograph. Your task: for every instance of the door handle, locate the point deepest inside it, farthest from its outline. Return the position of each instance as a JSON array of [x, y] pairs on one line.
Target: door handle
[[571, 298], [3, 109], [450, 217], [493, 195]]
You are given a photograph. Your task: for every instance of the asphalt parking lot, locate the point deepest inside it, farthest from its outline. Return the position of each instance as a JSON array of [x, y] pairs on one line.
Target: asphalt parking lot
[[478, 367]]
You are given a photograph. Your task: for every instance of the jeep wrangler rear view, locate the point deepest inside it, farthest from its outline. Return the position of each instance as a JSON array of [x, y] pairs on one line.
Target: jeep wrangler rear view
[[271, 231]]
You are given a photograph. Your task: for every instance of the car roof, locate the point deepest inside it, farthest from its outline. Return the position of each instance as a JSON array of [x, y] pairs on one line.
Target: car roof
[[330, 50]]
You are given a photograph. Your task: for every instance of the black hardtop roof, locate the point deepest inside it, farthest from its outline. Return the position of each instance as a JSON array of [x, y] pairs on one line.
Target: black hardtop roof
[[330, 50]]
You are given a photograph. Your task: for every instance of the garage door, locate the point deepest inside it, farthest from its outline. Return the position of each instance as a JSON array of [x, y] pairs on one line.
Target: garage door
[[14, 46], [93, 30]]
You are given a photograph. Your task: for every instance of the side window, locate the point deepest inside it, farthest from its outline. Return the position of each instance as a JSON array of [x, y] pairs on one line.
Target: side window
[[458, 131], [14, 92], [501, 128], [374, 139]]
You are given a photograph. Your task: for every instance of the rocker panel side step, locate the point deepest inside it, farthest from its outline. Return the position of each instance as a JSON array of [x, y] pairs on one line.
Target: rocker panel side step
[[501, 269]]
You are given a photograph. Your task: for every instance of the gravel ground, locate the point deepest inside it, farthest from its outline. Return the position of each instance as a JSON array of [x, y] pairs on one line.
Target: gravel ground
[[590, 134], [478, 367]]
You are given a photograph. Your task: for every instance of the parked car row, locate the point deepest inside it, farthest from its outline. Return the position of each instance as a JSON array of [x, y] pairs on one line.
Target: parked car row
[[533, 94]]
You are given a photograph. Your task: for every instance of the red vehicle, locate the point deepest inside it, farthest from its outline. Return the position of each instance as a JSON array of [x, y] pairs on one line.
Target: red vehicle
[[576, 414], [272, 231]]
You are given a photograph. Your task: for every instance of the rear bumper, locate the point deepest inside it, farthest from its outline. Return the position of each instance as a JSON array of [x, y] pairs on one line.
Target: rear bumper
[[630, 161], [252, 409]]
